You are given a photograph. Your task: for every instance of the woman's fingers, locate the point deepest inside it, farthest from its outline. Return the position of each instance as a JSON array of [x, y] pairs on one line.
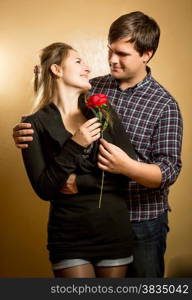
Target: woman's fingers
[[90, 122], [94, 126], [95, 132], [96, 137], [89, 132]]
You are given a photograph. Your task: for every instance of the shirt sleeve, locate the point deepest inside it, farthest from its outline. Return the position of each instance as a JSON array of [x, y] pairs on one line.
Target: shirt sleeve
[[167, 143], [47, 178]]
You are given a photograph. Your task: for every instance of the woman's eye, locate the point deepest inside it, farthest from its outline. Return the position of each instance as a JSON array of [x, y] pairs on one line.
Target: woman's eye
[[78, 61]]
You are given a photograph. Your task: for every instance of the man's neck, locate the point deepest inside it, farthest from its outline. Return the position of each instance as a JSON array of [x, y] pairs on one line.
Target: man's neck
[[131, 82]]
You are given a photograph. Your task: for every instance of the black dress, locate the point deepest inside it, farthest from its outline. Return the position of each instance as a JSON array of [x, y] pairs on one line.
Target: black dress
[[77, 227]]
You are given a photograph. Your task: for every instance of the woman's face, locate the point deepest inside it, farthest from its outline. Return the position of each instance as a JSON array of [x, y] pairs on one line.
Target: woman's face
[[75, 71]]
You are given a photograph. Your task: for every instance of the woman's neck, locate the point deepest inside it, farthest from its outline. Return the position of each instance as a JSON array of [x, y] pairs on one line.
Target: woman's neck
[[66, 99]]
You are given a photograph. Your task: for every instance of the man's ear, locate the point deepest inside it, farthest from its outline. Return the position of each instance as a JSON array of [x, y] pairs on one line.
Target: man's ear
[[56, 70], [147, 56]]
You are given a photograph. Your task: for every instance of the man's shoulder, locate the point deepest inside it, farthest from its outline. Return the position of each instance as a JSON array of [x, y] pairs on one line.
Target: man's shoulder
[[160, 93]]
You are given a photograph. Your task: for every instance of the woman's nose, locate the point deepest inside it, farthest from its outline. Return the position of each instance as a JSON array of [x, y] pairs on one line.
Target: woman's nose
[[87, 68]]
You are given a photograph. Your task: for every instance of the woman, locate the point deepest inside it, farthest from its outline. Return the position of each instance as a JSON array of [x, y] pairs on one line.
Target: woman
[[84, 240]]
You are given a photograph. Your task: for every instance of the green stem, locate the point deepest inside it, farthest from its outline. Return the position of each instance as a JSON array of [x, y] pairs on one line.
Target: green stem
[[102, 182], [101, 192], [95, 113]]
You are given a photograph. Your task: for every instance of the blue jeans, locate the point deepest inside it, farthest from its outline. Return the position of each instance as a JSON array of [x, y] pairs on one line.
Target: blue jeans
[[149, 249]]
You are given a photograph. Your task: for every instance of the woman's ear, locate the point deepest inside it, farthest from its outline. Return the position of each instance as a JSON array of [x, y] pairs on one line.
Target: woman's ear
[[56, 70]]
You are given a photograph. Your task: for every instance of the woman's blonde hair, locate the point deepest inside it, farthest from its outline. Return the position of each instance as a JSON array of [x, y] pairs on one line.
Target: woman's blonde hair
[[44, 81]]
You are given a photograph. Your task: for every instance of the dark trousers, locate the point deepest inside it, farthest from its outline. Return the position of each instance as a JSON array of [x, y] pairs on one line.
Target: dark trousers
[[150, 246]]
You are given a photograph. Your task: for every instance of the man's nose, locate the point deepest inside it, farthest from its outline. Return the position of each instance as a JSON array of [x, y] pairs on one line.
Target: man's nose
[[113, 58]]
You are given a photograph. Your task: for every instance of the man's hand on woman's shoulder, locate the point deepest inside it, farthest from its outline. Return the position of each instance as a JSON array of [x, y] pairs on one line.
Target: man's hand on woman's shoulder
[[22, 134]]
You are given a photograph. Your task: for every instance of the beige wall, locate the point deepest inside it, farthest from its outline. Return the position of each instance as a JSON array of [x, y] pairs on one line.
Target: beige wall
[[26, 27]]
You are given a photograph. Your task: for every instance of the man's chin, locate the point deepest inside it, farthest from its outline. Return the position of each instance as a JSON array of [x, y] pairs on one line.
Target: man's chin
[[116, 75]]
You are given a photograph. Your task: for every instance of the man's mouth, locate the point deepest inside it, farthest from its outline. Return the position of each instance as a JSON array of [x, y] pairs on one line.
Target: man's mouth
[[115, 69]]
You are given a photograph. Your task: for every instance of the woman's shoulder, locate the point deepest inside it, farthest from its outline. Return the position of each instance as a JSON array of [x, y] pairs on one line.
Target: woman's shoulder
[[41, 115], [47, 121]]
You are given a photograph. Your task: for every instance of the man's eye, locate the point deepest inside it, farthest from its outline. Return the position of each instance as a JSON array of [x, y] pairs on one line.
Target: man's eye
[[123, 54]]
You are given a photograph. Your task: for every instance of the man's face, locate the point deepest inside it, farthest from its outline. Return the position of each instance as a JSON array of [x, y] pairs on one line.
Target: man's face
[[125, 62]]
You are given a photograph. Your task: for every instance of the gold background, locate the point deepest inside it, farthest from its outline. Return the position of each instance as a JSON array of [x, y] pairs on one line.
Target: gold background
[[26, 27]]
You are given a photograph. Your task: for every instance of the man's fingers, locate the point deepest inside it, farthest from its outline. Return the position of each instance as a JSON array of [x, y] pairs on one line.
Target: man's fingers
[[22, 146], [105, 144], [22, 139], [22, 126], [102, 160], [23, 132], [102, 167], [23, 117], [104, 152]]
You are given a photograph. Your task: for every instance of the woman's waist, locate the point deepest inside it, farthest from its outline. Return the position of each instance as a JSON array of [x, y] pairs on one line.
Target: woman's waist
[[89, 183], [78, 210], [90, 200]]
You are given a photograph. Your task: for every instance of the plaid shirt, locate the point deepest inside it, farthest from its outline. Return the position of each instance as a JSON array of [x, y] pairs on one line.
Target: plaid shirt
[[152, 119]]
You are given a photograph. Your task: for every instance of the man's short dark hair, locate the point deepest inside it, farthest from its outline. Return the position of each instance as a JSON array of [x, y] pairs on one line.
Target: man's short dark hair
[[143, 31]]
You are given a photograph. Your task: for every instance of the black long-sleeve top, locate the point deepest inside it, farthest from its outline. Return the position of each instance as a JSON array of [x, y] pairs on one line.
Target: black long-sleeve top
[[77, 228], [52, 155]]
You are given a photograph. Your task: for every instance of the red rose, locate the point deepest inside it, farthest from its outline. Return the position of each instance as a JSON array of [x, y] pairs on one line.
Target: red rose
[[98, 105], [97, 100]]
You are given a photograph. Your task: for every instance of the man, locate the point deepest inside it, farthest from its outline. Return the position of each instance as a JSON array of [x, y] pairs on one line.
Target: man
[[153, 121]]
